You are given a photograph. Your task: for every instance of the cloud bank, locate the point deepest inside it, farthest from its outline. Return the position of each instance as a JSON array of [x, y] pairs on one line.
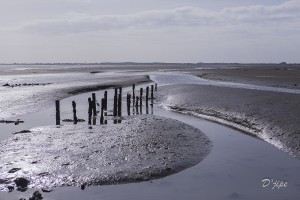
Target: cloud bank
[[288, 12]]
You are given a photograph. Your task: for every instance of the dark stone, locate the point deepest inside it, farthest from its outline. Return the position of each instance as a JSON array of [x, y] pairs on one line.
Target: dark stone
[[22, 199], [10, 188], [13, 170], [82, 187], [36, 196], [21, 183], [6, 84], [47, 190]]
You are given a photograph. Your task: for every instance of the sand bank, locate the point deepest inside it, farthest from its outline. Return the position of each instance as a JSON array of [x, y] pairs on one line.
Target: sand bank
[[271, 116], [139, 149], [285, 76], [18, 101]]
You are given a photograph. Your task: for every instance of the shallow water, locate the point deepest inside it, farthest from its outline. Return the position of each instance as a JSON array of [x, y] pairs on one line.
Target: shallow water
[[179, 78], [233, 170]]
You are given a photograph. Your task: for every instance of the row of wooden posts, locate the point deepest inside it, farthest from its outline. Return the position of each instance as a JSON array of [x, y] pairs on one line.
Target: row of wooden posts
[[117, 105]]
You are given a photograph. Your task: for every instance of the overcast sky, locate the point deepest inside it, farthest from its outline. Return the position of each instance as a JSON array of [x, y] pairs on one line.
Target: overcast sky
[[149, 31]]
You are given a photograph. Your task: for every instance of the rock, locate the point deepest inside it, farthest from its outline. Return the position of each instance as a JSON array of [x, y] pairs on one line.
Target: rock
[[47, 190], [5, 85], [13, 170], [10, 188], [21, 183], [22, 199], [36, 196], [82, 187]]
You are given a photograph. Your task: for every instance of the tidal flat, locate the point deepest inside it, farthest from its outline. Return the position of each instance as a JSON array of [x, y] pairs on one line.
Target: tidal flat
[[184, 149]]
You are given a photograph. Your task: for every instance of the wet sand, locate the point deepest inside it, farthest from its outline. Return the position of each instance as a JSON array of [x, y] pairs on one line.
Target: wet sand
[[271, 116], [142, 148], [287, 76]]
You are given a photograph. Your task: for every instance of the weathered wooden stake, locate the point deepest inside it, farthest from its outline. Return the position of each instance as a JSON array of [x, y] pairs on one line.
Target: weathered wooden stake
[[155, 86], [115, 105], [128, 104], [90, 111], [141, 96], [120, 105], [141, 109], [147, 96], [57, 112], [133, 93], [137, 102], [74, 112], [102, 110], [105, 103], [152, 92], [137, 106], [94, 104], [147, 110]]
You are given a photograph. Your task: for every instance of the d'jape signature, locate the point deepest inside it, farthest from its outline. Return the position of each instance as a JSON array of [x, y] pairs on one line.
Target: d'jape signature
[[274, 184]]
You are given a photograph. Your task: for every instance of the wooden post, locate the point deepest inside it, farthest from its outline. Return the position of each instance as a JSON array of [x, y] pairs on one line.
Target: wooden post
[[141, 96], [137, 105], [57, 112], [116, 91], [137, 102], [147, 110], [147, 96], [105, 103], [152, 92], [90, 111], [128, 104], [155, 86], [133, 93], [115, 105], [94, 104], [102, 110], [74, 112], [120, 105]]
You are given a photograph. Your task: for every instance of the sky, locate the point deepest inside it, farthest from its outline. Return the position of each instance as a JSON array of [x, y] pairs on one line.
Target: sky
[[245, 31]]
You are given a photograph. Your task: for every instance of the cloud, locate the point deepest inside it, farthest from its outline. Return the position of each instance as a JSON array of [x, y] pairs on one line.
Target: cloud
[[288, 12]]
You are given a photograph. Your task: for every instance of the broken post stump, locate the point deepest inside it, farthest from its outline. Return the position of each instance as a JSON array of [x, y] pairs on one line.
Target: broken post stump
[[120, 105], [90, 111], [94, 104], [105, 103], [133, 93], [155, 86], [102, 110], [115, 105], [137, 102], [147, 95], [141, 96], [128, 104], [74, 112], [57, 112], [151, 91]]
